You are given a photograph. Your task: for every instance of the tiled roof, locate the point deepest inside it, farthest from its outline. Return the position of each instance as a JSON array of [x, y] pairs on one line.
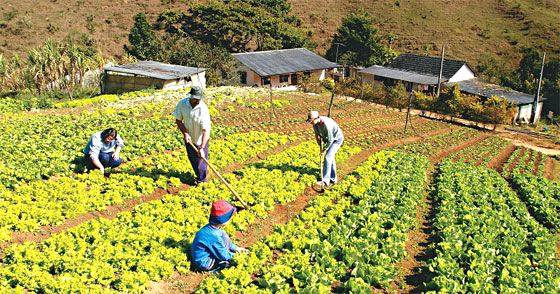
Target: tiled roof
[[396, 74], [427, 65], [476, 87], [156, 70], [275, 62]]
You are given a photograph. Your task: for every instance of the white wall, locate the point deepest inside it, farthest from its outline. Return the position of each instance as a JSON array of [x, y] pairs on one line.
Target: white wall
[[524, 112], [464, 73]]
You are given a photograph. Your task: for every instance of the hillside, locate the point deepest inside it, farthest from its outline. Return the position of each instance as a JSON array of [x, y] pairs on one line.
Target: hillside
[[472, 29]]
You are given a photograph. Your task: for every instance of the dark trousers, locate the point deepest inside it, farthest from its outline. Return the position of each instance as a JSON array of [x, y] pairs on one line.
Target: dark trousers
[[106, 160], [199, 166]]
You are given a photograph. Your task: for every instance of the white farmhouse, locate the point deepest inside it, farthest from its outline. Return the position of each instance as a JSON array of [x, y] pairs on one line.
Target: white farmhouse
[[283, 69]]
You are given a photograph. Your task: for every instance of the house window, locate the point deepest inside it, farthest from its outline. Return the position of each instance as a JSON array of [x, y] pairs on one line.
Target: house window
[[243, 77], [294, 79], [284, 78], [265, 81]]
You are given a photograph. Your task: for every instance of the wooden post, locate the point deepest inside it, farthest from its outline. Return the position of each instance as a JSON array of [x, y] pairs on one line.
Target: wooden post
[[331, 103], [534, 117], [440, 71]]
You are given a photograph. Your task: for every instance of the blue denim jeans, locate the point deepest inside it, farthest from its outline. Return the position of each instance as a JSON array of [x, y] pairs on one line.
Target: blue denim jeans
[[106, 160], [329, 165]]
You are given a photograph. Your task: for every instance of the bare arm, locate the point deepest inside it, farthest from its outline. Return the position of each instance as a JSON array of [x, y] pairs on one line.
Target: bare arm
[[183, 130], [97, 163]]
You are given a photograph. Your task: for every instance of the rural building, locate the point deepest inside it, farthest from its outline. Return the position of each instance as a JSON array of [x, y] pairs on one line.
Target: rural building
[[422, 72], [418, 72], [523, 101], [150, 74], [283, 69]]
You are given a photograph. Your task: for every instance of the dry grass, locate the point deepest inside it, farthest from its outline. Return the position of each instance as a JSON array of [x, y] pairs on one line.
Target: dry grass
[[470, 28]]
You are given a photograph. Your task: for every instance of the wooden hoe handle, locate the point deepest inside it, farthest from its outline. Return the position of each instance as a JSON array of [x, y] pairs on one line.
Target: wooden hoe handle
[[222, 179]]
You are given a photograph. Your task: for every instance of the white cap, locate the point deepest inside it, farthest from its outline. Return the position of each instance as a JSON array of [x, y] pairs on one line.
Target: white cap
[[313, 114]]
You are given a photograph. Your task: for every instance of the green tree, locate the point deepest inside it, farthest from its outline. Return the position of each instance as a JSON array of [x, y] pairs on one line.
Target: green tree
[[362, 44], [220, 65], [240, 26], [144, 43]]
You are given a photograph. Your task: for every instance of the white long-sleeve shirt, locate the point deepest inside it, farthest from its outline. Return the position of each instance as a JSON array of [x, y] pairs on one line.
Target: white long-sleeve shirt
[[195, 119]]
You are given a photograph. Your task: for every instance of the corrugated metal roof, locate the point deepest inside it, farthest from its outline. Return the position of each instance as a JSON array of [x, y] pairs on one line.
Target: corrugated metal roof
[[276, 62], [402, 75], [156, 70], [476, 87], [427, 65]]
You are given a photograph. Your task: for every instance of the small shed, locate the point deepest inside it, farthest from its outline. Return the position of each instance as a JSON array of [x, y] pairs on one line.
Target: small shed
[[523, 101], [283, 69], [147, 74]]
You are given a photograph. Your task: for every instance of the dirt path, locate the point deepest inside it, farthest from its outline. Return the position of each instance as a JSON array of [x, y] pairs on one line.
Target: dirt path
[[497, 163], [113, 211], [537, 163], [279, 216], [549, 168]]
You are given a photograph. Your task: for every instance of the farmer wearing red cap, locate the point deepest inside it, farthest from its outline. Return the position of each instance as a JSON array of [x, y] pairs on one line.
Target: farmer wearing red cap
[[212, 249]]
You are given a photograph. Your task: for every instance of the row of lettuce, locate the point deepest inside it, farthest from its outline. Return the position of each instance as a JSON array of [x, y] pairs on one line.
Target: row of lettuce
[[488, 240], [349, 239], [151, 241], [30, 206]]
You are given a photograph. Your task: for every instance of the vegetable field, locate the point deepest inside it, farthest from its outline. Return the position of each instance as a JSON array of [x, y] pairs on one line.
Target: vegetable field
[[440, 208]]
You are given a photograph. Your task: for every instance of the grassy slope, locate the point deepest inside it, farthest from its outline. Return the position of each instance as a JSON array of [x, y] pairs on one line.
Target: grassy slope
[[471, 28]]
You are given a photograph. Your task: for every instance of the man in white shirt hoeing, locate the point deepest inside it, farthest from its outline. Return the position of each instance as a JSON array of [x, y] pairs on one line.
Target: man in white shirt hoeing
[[327, 131], [193, 120]]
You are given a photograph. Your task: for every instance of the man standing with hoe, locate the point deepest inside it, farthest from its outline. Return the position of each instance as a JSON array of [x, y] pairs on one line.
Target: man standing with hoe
[[327, 131], [193, 120]]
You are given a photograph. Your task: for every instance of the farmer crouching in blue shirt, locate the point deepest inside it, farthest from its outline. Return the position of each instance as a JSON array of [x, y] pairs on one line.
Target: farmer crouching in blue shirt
[[103, 149], [212, 250]]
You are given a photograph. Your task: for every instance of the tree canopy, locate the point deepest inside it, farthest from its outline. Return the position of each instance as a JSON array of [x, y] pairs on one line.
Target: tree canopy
[[361, 43]]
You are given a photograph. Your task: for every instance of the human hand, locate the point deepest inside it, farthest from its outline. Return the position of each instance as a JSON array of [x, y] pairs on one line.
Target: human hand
[[201, 152], [187, 138], [115, 155], [242, 250]]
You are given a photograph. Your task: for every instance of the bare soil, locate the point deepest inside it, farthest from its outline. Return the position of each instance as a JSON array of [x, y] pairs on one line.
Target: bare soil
[[537, 162], [549, 168], [497, 163]]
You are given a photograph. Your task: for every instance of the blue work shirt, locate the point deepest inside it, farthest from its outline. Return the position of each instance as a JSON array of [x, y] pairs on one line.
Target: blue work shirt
[[211, 245], [97, 145]]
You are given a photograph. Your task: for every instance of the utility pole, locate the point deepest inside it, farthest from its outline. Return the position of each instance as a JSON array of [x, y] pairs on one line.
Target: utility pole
[[336, 56], [440, 70], [534, 117]]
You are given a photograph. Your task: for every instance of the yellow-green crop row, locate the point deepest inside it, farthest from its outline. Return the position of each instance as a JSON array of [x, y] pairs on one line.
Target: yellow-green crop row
[[46, 203], [150, 242], [360, 226]]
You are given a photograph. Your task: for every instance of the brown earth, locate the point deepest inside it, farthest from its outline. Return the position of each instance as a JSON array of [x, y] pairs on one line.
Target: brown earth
[[497, 163]]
